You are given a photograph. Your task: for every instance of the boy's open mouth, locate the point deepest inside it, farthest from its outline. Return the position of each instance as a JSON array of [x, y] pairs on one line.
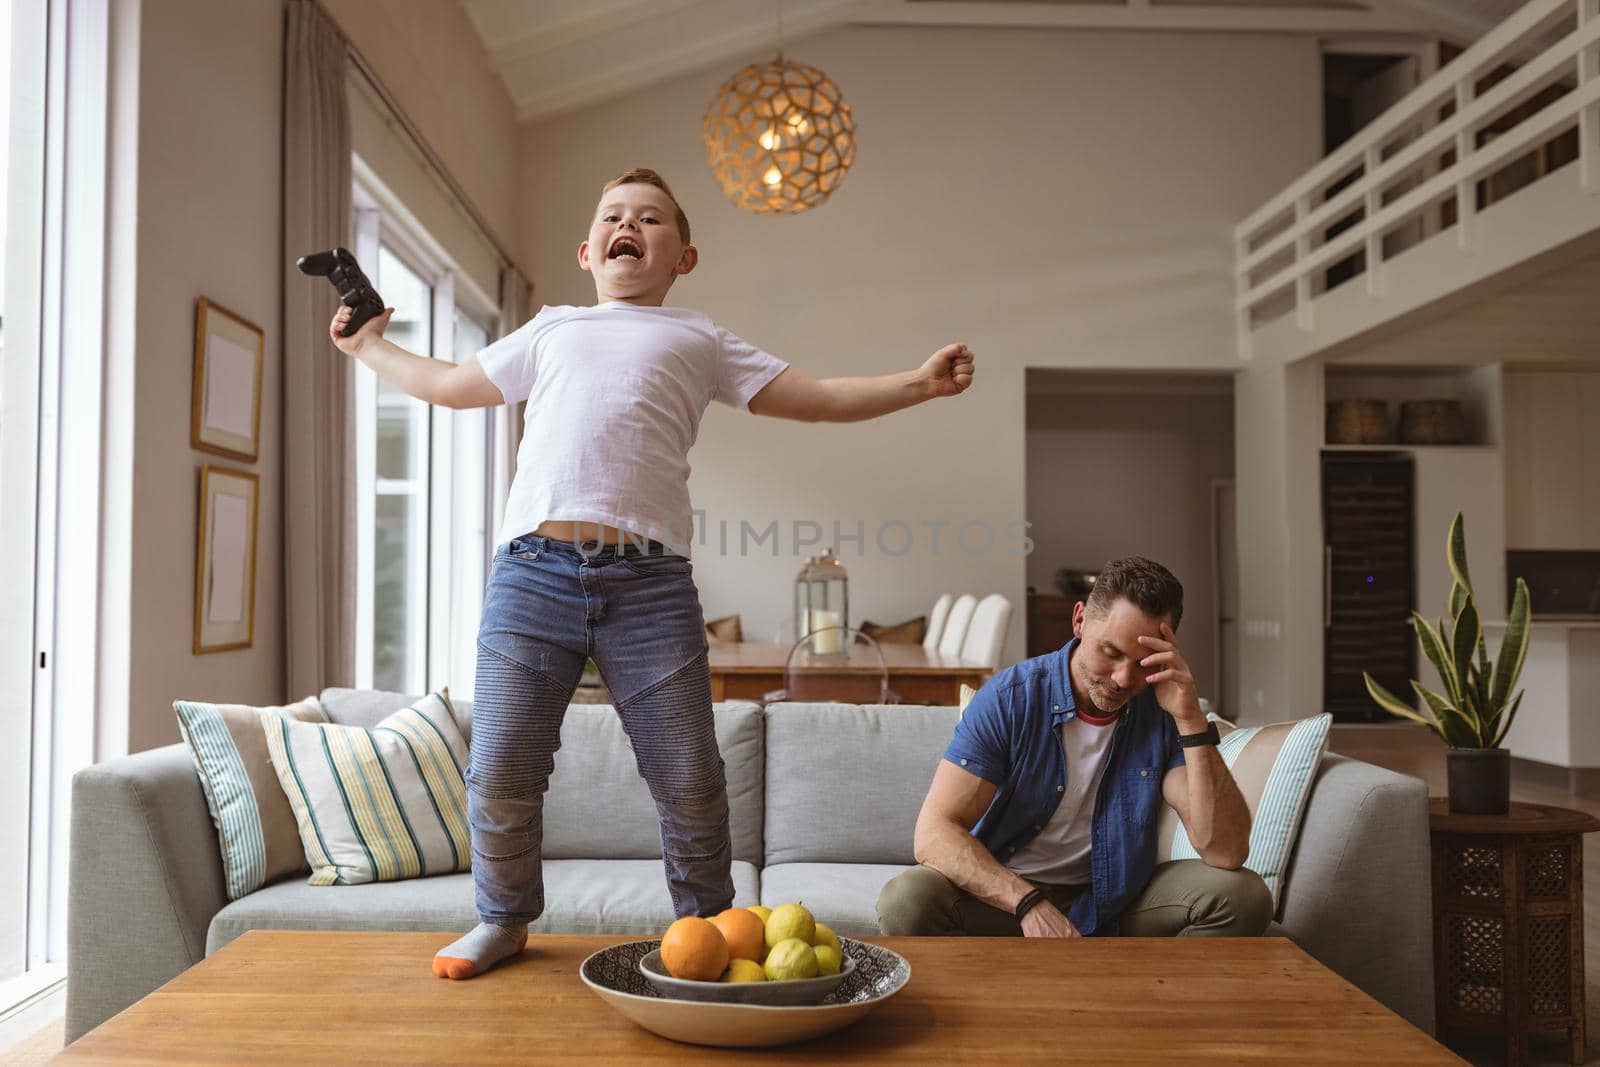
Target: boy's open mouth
[[625, 248]]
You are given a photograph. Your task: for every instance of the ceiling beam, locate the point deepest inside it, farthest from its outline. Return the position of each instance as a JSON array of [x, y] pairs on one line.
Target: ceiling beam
[[740, 40], [1020, 14], [536, 102], [581, 27]]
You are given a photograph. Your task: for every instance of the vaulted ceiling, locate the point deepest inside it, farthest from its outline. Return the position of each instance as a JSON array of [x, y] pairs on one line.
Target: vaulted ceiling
[[558, 55]]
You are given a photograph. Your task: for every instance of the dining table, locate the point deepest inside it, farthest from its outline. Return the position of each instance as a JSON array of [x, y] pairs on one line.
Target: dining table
[[752, 670]]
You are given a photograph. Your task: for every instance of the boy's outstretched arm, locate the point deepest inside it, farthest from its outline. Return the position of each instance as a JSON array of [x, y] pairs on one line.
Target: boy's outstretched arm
[[433, 381], [794, 394]]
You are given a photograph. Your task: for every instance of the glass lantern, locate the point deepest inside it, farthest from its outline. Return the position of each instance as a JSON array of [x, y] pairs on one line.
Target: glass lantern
[[822, 600]]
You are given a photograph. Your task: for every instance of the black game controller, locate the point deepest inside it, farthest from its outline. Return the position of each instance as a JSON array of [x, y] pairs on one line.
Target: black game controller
[[355, 291]]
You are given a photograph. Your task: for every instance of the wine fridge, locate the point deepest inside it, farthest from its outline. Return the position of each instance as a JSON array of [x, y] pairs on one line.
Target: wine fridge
[[1368, 580]]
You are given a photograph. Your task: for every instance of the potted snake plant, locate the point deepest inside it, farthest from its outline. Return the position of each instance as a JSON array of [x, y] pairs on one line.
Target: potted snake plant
[[1477, 706]]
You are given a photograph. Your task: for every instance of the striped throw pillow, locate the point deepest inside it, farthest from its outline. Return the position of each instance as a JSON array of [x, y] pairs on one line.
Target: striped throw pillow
[[1274, 767], [377, 805], [255, 825]]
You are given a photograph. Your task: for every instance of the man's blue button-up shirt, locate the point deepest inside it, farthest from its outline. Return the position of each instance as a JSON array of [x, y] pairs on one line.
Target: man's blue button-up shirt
[[1009, 736]]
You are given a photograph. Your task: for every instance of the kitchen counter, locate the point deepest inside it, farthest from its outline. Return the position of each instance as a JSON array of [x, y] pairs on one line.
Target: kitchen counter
[[1552, 622], [1559, 721]]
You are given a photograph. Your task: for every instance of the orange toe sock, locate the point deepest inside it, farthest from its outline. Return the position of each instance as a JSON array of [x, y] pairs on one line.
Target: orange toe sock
[[482, 948], [453, 967]]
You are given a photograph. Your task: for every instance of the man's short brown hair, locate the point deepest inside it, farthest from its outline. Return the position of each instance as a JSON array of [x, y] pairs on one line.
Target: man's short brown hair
[[646, 176], [1145, 584]]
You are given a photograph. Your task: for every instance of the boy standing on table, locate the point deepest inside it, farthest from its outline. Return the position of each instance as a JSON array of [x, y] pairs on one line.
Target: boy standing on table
[[593, 556]]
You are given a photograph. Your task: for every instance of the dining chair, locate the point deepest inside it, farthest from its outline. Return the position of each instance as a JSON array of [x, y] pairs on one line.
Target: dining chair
[[986, 635], [956, 623], [812, 673], [936, 617]]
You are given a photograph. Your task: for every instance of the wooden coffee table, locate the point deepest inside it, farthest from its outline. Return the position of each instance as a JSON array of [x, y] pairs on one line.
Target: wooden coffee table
[[291, 997]]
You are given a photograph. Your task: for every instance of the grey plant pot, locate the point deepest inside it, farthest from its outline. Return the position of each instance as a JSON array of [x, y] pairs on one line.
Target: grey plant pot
[[1479, 780]]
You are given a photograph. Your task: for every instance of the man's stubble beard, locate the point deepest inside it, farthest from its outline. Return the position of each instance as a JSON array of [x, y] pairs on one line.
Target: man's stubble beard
[[1094, 687]]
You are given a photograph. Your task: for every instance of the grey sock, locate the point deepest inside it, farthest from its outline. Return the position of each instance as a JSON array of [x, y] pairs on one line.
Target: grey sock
[[486, 945]]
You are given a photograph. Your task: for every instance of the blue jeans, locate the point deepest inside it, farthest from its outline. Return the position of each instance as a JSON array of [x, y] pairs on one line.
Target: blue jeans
[[550, 605]]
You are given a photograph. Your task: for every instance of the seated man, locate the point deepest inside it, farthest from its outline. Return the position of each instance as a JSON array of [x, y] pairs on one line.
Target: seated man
[[1041, 819]]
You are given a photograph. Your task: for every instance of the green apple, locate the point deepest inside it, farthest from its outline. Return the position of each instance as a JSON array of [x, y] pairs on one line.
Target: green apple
[[790, 958], [790, 920], [744, 971], [825, 936]]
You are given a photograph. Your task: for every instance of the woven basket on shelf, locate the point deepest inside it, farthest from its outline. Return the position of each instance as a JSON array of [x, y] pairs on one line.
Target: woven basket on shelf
[[1432, 422], [1358, 422]]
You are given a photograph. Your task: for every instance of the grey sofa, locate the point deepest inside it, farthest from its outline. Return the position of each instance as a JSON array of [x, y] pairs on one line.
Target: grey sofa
[[823, 797]]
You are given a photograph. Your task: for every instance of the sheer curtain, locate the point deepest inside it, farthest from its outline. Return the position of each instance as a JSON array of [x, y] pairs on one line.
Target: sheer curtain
[[319, 475]]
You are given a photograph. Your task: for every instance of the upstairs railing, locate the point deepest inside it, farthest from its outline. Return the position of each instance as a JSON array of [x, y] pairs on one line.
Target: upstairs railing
[[1396, 181]]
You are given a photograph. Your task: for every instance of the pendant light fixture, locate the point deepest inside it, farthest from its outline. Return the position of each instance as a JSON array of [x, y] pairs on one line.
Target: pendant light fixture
[[779, 136]]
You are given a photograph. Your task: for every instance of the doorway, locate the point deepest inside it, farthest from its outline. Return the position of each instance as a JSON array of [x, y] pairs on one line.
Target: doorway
[[1122, 463]]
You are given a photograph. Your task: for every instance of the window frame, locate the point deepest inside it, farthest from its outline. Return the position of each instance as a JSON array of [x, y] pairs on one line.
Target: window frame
[[436, 657], [64, 553], [457, 627], [31, 130]]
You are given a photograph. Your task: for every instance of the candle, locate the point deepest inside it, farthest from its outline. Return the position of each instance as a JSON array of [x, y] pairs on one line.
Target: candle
[[831, 641]]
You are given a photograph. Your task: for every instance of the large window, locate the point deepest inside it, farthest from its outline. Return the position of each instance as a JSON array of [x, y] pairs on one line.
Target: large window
[[424, 473], [400, 492], [469, 506], [18, 400], [54, 565]]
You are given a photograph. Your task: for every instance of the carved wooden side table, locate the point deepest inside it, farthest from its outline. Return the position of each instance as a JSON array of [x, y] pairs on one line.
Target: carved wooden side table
[[1508, 922]]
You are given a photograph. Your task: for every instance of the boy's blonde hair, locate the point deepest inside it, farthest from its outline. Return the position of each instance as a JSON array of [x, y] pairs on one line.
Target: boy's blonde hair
[[646, 176]]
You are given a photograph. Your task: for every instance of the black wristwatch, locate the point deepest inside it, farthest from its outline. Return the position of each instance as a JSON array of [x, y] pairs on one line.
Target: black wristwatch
[[1208, 736]]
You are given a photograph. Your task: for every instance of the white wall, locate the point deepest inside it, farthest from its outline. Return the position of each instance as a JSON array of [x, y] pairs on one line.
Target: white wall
[[1051, 198], [209, 207], [1472, 482], [1114, 475], [209, 180], [1277, 438], [433, 62]]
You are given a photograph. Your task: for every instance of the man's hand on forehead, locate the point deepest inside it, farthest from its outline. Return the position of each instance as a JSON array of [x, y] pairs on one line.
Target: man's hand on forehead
[[1170, 674]]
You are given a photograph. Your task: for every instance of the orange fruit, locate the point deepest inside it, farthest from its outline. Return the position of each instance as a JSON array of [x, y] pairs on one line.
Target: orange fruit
[[694, 948], [745, 933]]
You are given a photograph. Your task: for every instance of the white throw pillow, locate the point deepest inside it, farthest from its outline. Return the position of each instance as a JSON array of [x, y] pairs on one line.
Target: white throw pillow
[[1274, 767]]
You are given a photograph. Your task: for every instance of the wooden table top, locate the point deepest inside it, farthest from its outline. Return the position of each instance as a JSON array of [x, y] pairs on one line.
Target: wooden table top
[[324, 997], [1523, 818], [752, 657]]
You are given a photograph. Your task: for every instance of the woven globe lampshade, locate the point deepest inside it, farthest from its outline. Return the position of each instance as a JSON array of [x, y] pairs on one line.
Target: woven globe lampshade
[[779, 137]]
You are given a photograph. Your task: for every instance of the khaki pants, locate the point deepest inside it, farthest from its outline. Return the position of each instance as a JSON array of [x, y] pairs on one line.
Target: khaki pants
[[1184, 898]]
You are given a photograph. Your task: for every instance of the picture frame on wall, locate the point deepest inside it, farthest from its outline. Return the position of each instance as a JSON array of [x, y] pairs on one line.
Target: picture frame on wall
[[225, 561], [228, 357]]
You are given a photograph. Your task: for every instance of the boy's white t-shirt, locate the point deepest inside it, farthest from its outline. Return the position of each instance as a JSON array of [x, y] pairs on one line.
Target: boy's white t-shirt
[[615, 394], [1060, 853]]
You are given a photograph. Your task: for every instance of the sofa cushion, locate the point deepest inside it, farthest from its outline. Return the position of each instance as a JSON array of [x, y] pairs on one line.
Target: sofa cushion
[[845, 781], [599, 807], [377, 805], [367, 707], [256, 831], [596, 775], [582, 897], [843, 895]]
